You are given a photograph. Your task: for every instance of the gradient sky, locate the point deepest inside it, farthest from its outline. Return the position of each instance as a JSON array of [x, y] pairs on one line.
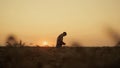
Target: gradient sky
[[35, 21]]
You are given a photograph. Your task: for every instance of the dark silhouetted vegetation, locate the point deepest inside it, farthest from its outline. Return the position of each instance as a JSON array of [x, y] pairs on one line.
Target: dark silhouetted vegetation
[[48, 57], [114, 35], [13, 42]]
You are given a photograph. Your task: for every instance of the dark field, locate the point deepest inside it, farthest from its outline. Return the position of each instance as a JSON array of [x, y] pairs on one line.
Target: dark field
[[74, 57]]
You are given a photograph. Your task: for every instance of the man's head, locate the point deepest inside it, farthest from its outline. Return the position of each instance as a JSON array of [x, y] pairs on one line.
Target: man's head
[[64, 33]]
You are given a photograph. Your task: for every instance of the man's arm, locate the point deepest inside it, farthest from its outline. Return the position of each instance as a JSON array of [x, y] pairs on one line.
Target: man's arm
[[63, 43]]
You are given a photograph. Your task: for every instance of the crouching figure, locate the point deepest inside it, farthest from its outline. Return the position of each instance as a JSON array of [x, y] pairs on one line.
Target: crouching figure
[[60, 40]]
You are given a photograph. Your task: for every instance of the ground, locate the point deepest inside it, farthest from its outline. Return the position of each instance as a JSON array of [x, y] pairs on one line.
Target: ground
[[48, 57]]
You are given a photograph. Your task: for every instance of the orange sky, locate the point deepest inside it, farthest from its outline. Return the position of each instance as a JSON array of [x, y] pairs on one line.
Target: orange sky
[[35, 21]]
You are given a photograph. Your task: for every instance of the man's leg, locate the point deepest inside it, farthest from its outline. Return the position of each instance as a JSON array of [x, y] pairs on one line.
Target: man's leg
[[58, 46]]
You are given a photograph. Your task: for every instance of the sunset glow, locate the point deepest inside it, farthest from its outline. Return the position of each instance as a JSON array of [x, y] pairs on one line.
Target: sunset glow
[[37, 20], [45, 43]]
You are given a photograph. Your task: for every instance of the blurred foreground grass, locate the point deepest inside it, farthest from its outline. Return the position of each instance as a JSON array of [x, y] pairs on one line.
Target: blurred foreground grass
[[48, 57]]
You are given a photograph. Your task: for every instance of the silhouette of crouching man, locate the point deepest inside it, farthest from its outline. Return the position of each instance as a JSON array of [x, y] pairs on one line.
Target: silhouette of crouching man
[[60, 40]]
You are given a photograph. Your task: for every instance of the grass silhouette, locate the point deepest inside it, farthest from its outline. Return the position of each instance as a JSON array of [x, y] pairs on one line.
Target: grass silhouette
[[66, 57]]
